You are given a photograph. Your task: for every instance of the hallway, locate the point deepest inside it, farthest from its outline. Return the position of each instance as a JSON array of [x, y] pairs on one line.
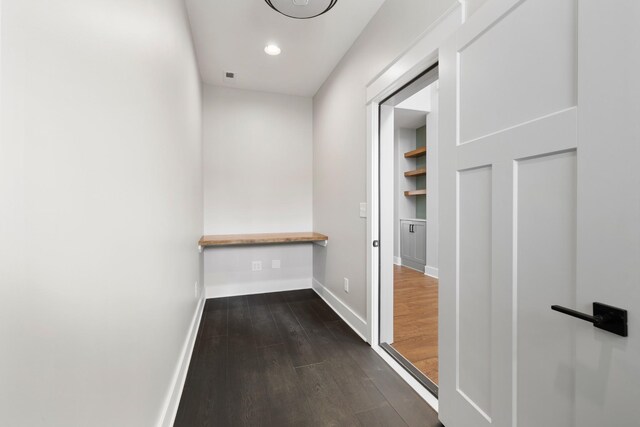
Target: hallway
[[285, 359]]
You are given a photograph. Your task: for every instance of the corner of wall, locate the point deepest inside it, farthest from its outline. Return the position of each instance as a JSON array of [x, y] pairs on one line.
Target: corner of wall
[[357, 323], [172, 400], [431, 271]]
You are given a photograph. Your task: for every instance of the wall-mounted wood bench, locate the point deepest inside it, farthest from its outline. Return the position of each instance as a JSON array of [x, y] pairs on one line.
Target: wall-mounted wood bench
[[263, 239]]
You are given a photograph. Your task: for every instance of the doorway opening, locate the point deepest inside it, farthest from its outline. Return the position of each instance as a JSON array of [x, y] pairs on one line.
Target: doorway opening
[[408, 194]]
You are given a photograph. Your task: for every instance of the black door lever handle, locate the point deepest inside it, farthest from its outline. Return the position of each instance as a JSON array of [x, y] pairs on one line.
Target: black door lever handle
[[574, 313], [606, 317]]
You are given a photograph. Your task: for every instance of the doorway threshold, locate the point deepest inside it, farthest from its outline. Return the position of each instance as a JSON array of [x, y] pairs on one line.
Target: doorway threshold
[[412, 370]]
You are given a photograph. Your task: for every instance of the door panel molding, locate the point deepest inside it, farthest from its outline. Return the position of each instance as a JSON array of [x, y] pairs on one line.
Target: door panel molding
[[473, 287], [523, 126]]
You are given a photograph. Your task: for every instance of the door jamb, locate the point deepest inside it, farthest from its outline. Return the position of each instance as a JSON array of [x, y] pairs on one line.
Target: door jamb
[[420, 56]]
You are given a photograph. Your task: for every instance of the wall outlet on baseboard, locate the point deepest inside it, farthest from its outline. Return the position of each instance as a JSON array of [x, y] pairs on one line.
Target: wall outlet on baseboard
[[197, 289], [346, 285], [256, 266], [275, 263]]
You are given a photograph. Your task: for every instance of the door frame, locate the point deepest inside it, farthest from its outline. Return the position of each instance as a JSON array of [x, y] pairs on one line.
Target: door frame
[[421, 55]]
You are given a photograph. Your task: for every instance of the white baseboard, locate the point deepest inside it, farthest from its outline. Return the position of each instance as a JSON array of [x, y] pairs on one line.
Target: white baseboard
[[357, 323], [252, 288], [431, 271], [170, 407], [397, 260]]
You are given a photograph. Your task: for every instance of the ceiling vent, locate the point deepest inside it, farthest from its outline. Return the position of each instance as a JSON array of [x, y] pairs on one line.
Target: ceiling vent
[[229, 78]]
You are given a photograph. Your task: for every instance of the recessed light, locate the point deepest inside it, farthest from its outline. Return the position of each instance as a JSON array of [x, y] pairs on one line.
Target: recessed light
[[272, 50]]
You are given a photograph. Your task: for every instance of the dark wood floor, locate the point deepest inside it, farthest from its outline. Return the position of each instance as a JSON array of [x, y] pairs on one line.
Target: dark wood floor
[[286, 359]]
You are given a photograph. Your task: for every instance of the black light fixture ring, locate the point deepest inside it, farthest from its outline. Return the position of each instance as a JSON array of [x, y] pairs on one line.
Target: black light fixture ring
[[333, 3]]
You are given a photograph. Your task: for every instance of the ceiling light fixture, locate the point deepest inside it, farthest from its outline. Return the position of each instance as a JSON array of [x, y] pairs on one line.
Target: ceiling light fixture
[[301, 9], [272, 49]]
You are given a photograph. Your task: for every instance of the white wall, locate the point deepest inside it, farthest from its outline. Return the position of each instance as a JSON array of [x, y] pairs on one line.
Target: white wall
[[257, 159], [100, 183], [339, 142], [420, 101], [258, 179], [228, 270], [471, 6]]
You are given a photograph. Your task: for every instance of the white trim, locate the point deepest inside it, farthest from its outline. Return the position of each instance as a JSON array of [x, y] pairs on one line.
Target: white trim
[[252, 288], [372, 222], [406, 376], [357, 323], [397, 260], [418, 57], [172, 400], [431, 271]]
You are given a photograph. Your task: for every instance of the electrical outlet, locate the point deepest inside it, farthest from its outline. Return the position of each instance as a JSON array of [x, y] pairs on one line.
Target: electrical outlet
[[197, 290], [346, 285], [256, 266], [275, 263], [363, 210]]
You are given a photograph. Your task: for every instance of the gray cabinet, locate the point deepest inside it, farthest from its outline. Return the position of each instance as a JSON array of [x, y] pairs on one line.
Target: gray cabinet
[[413, 243]]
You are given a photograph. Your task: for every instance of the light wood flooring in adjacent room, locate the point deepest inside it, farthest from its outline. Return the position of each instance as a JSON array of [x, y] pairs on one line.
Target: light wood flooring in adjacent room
[[415, 319]]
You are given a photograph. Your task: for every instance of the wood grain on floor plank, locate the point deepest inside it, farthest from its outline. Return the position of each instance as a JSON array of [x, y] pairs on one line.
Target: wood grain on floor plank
[[415, 319], [295, 339], [380, 417], [204, 399], [284, 359], [325, 396], [264, 327], [283, 388]]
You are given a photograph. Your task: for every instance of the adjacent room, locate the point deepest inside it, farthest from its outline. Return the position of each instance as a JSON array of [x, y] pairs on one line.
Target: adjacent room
[[409, 298]]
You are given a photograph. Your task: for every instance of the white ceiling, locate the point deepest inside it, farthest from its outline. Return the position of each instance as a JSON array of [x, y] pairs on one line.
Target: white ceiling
[[230, 35], [420, 101], [409, 119]]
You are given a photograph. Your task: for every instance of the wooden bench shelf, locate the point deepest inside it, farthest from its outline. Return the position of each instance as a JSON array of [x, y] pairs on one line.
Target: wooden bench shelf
[[416, 153], [261, 239], [415, 193], [417, 172]]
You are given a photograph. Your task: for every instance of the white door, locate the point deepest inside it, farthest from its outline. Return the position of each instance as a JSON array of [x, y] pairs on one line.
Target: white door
[[540, 205]]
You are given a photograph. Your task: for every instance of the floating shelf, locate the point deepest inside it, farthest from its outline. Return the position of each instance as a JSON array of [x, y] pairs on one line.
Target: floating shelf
[[262, 239], [417, 172], [415, 193], [416, 153]]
